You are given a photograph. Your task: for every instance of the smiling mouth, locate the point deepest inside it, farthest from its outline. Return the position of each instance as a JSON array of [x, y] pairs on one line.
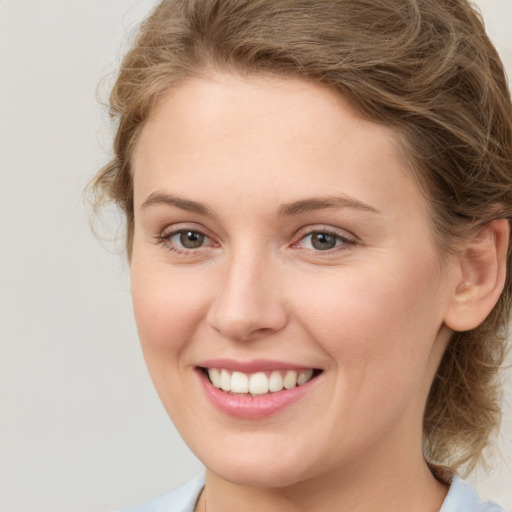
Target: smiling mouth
[[259, 383]]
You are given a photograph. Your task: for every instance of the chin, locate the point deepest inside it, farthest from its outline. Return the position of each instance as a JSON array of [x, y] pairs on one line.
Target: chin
[[261, 466], [265, 474]]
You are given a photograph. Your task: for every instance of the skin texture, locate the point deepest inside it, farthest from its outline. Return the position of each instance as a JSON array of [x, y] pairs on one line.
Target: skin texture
[[371, 313]]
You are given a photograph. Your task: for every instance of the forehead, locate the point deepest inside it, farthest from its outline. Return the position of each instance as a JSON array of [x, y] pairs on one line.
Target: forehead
[[260, 105], [268, 135]]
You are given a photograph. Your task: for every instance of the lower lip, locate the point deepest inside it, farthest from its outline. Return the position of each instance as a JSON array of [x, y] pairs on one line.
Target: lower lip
[[253, 407]]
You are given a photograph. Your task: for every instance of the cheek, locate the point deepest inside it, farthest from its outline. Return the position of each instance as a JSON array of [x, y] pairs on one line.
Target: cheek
[[377, 324], [168, 306]]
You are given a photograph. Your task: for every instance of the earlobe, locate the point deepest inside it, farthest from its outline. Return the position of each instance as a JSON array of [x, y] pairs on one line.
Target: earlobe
[[482, 277]]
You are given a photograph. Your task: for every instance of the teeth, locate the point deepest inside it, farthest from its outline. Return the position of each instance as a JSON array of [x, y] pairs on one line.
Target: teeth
[[304, 377], [215, 377], [258, 383], [275, 383], [225, 380], [290, 380], [240, 383]]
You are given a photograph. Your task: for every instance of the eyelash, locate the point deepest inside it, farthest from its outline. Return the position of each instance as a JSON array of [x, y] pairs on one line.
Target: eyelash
[[343, 243], [165, 239]]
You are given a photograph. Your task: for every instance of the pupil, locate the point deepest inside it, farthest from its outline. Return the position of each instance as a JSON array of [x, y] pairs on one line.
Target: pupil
[[191, 240], [323, 241]]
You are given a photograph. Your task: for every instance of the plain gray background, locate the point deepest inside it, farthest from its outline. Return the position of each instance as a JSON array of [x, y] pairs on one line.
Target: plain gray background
[[81, 427]]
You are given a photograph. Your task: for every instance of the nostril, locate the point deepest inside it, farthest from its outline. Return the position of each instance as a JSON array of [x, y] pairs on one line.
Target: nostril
[[246, 308]]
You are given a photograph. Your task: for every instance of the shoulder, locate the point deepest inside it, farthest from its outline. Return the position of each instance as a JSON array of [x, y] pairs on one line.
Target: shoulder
[[462, 497], [182, 499]]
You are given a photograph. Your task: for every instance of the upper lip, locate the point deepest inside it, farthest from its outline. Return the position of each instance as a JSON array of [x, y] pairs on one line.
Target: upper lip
[[252, 366]]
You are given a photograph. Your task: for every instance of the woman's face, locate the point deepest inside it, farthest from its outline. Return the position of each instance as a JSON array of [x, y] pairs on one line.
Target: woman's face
[[279, 236]]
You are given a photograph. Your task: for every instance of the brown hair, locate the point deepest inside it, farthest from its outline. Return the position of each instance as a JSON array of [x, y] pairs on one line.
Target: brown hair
[[423, 67]]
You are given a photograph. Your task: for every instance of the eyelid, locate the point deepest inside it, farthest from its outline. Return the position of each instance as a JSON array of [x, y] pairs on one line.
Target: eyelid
[[165, 235], [348, 238], [322, 228], [172, 229]]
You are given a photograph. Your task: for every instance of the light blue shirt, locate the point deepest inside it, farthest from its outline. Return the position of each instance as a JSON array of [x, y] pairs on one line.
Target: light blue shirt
[[461, 497]]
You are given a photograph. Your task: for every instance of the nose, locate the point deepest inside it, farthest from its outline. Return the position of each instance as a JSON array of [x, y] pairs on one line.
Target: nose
[[250, 302]]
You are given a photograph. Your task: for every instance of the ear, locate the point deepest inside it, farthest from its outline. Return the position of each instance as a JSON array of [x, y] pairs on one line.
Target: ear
[[482, 276]]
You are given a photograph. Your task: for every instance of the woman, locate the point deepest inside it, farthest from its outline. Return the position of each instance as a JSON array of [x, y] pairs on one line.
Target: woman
[[318, 198]]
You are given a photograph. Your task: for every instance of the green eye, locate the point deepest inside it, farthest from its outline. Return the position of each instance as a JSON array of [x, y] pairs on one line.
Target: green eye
[[191, 239], [190, 242], [323, 241]]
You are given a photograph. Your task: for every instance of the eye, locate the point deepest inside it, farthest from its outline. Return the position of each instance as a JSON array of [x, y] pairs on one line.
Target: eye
[[189, 239], [322, 240], [184, 240]]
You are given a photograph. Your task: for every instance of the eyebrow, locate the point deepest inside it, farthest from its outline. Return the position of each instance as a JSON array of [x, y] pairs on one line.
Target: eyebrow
[[285, 210], [323, 203], [184, 204]]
